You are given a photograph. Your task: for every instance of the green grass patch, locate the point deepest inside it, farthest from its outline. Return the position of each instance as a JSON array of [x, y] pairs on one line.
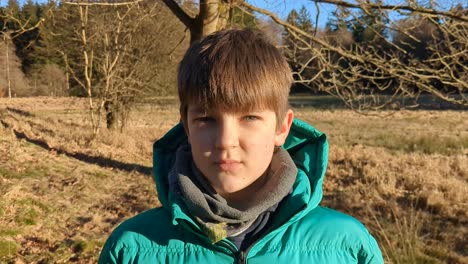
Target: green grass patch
[[30, 172], [9, 232], [30, 210], [86, 247], [78, 247], [29, 202], [27, 216], [37, 172], [98, 174], [9, 174], [8, 249]]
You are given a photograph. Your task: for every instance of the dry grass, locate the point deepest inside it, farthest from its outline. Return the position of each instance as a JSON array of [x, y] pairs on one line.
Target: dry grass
[[404, 175], [430, 132], [56, 209]]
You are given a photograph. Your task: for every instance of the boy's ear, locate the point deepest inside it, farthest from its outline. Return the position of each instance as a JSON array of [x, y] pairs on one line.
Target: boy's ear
[[283, 130]]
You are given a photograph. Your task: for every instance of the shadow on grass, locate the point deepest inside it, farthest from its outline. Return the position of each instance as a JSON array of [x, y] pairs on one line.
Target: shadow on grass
[[100, 161], [20, 112]]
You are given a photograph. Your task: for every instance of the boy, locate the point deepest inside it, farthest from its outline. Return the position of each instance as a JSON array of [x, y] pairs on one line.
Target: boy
[[239, 179]]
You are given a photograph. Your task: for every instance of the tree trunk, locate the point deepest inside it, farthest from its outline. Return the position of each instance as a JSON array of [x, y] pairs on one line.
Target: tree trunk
[[111, 115], [208, 19], [7, 40], [209, 15]]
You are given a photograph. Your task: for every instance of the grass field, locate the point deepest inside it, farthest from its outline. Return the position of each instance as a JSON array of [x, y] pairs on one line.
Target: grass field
[[403, 173]]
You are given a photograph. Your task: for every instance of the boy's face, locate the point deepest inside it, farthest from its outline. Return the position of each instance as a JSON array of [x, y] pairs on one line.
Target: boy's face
[[234, 149]]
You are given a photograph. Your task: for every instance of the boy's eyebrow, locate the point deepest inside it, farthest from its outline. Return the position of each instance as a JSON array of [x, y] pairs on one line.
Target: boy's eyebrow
[[198, 110]]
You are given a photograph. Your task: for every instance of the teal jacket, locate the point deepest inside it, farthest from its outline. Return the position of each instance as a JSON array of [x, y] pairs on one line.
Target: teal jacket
[[300, 232]]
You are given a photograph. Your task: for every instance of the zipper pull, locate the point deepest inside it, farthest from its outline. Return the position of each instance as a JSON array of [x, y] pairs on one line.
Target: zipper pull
[[241, 257]]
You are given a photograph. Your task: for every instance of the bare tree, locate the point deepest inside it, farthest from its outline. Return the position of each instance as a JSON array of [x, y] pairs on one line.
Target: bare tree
[[122, 52]]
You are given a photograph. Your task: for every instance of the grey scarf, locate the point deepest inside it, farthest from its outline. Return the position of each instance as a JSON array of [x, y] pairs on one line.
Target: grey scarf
[[217, 219]]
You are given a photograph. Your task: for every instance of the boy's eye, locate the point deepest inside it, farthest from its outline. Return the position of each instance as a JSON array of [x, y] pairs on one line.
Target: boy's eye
[[251, 117], [203, 119]]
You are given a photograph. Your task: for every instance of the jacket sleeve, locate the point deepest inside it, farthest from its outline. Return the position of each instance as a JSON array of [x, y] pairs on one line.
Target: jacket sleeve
[[370, 252], [108, 253]]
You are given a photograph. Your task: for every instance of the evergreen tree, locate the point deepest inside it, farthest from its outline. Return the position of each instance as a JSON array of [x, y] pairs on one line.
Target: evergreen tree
[[52, 33], [370, 25], [12, 10], [304, 20], [339, 20], [297, 51], [292, 17], [337, 28], [47, 71], [292, 20], [27, 41], [301, 20], [30, 12]]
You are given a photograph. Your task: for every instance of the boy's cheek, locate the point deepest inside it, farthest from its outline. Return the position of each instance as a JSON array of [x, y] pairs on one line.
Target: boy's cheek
[[203, 140], [196, 135]]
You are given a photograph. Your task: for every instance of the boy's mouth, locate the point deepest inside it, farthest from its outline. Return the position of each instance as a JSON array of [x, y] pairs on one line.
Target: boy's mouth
[[228, 165]]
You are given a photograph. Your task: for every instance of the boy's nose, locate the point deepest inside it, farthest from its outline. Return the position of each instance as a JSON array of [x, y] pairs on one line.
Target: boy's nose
[[227, 136]]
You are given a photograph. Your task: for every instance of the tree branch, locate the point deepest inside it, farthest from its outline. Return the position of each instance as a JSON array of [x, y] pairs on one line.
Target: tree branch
[[366, 5], [179, 13], [301, 32], [103, 3]]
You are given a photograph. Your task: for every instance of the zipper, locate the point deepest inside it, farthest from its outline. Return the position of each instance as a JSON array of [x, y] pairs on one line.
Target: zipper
[[242, 254], [241, 257], [231, 247]]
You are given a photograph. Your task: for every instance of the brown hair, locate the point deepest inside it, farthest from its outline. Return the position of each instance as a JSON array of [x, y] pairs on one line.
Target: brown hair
[[231, 70]]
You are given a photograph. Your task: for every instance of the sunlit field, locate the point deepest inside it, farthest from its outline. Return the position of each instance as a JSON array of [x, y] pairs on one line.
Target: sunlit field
[[402, 173]]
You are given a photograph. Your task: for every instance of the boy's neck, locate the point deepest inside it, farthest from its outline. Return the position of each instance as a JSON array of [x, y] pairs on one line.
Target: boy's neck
[[240, 199]]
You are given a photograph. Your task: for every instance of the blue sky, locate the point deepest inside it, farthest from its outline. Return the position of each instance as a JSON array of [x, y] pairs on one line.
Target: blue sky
[[283, 7]]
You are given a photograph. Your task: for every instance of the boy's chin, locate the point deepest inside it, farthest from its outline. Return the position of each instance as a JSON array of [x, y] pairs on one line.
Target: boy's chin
[[230, 189]]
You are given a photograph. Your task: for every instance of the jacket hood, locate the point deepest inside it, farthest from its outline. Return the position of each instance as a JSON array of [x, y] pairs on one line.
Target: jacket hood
[[307, 146]]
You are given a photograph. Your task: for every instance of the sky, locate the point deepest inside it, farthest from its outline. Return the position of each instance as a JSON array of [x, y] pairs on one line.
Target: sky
[[283, 7]]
